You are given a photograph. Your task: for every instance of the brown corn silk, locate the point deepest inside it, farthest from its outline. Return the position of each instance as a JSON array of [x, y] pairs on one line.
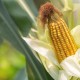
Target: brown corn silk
[[62, 40]]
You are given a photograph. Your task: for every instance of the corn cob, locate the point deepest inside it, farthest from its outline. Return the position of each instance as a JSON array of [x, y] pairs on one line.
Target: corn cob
[[63, 42]]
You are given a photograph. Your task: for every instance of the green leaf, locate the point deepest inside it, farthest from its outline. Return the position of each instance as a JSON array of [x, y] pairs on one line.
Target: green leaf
[[10, 32], [20, 17], [57, 3], [21, 75], [68, 13], [77, 13]]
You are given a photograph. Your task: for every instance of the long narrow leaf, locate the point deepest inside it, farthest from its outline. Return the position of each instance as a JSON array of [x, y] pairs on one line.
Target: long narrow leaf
[[21, 75]]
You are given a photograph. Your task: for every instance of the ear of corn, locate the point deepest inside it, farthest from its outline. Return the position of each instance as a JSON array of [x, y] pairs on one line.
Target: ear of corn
[[63, 42]]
